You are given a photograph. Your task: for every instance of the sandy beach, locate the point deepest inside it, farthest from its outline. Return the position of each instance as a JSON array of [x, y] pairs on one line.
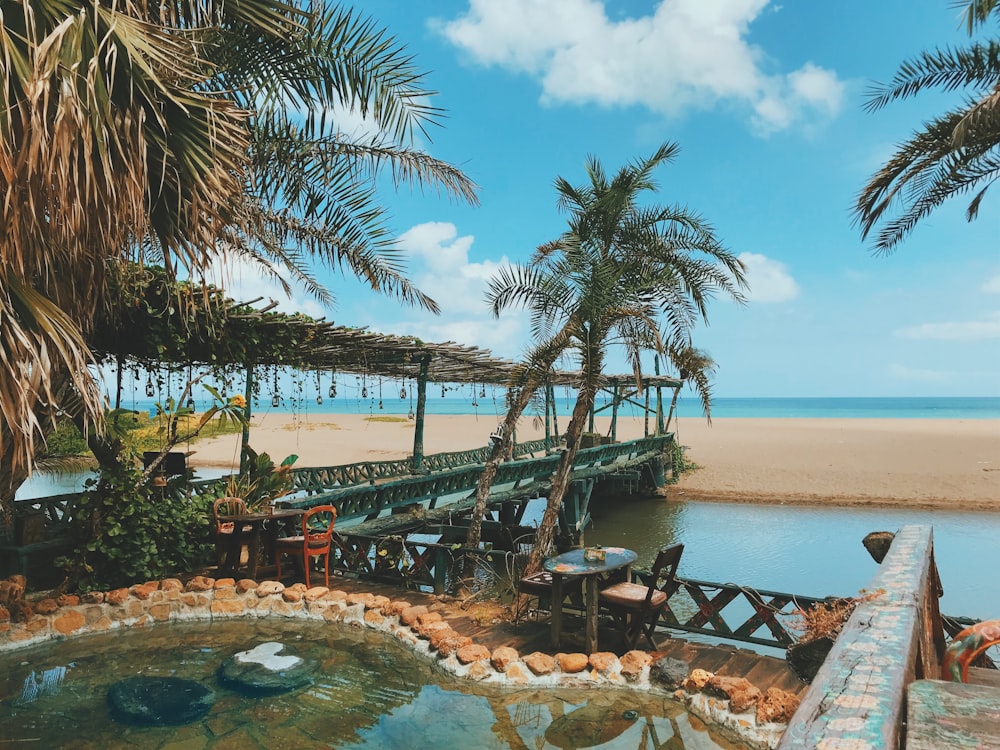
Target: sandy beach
[[914, 462]]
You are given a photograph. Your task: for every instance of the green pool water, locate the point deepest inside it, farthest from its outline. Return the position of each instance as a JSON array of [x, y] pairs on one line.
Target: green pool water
[[371, 692]]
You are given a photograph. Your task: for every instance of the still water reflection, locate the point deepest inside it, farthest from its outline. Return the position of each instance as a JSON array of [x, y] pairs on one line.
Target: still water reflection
[[372, 692], [810, 550]]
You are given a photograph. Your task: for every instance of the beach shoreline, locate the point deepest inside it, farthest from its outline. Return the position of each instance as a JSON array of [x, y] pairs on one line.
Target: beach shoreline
[[914, 463]]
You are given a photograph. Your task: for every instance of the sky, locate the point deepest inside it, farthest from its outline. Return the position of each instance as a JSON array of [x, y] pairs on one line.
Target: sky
[[766, 102]]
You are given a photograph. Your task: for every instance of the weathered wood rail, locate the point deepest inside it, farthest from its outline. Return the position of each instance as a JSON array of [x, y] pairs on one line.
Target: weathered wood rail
[[858, 698]]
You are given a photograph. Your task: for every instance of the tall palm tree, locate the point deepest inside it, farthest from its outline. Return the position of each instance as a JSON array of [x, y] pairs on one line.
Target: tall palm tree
[[183, 133], [954, 154], [694, 367], [623, 274]]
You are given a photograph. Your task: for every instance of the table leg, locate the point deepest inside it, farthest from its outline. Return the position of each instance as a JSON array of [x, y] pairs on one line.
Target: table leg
[[557, 597], [590, 645], [253, 563]]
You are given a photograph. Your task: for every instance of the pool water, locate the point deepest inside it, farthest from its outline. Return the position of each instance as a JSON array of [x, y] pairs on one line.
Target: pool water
[[371, 692]]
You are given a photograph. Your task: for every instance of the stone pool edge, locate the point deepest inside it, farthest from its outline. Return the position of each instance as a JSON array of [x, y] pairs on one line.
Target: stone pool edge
[[425, 629]]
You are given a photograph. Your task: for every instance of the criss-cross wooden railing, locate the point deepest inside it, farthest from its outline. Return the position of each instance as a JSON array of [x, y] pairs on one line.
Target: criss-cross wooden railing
[[704, 606]]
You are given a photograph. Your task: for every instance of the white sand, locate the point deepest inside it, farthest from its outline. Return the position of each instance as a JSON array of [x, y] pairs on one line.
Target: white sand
[[916, 462]]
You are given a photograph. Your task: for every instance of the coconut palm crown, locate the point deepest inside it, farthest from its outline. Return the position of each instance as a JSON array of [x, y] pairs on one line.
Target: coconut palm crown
[[624, 273], [185, 134], [957, 153]]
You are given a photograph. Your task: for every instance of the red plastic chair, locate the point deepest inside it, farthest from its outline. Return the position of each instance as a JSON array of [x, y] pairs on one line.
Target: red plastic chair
[[315, 541]]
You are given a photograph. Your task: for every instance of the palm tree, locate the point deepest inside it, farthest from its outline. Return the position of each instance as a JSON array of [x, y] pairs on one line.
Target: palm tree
[[183, 133], [694, 367], [622, 274], [954, 154]]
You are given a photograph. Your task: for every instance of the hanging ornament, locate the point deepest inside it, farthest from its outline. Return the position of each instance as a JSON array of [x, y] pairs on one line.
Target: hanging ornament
[[380, 393], [319, 386], [150, 388], [319, 398], [443, 389], [275, 397], [402, 393], [482, 392], [333, 384], [190, 404]]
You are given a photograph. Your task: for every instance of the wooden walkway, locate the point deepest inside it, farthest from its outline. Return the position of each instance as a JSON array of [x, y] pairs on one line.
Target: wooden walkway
[[476, 620]]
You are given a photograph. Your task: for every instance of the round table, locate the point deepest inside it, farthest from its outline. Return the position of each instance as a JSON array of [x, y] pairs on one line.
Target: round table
[[574, 563]]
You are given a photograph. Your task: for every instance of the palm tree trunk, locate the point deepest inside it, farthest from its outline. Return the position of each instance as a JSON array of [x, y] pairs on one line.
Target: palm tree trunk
[[560, 482], [501, 448]]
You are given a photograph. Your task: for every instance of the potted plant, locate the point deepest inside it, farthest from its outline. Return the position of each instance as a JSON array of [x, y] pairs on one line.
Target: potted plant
[[820, 625], [261, 482]]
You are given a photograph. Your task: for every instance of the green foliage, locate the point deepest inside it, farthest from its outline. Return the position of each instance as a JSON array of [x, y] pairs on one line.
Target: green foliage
[[679, 463], [261, 481], [128, 532], [66, 440]]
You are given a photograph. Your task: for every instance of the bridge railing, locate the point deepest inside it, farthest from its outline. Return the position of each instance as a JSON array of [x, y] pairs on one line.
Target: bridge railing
[[857, 698]]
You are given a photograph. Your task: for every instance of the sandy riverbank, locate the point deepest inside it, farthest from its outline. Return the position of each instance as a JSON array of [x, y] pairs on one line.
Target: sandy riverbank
[[913, 462]]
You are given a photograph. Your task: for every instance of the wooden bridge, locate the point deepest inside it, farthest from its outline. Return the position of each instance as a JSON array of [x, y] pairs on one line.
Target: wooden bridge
[[882, 685]]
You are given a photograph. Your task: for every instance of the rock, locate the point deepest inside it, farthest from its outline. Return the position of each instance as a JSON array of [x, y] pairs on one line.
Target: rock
[[742, 694], [471, 653], [267, 669], [572, 663], [46, 606], [776, 705], [200, 583], [540, 663], [668, 672], [503, 657], [633, 663], [269, 588], [159, 701], [602, 661], [697, 680]]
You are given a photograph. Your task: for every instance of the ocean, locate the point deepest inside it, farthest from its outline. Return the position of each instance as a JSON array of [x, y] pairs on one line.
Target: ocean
[[492, 405]]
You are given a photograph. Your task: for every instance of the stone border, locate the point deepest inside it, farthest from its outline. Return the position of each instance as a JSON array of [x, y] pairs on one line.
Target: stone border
[[731, 704]]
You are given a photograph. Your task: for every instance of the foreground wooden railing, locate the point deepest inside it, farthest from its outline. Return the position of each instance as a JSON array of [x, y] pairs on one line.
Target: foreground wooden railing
[[857, 699]]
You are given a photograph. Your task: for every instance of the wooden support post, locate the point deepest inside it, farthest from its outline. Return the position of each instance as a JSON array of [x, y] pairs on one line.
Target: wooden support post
[[614, 413], [645, 429], [548, 431], [555, 416], [418, 427], [247, 413]]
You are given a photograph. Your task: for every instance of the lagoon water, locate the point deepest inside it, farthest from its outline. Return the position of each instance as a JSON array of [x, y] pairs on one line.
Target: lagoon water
[[814, 550]]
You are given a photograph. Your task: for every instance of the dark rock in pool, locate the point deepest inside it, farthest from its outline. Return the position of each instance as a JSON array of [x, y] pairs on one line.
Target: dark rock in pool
[[159, 701], [267, 669], [669, 672]]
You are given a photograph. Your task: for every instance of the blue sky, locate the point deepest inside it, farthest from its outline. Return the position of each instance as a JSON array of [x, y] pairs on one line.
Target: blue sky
[[766, 103]]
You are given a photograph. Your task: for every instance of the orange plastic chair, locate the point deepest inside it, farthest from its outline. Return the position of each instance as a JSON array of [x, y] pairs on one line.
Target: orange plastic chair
[[315, 541]]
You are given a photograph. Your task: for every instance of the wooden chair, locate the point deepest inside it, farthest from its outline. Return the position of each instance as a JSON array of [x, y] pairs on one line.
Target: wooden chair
[[224, 530], [315, 541], [636, 606]]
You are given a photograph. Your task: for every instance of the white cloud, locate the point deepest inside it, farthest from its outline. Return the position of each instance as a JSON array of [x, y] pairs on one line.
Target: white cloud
[[992, 286], [687, 54], [970, 330], [245, 281], [440, 266], [769, 279]]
